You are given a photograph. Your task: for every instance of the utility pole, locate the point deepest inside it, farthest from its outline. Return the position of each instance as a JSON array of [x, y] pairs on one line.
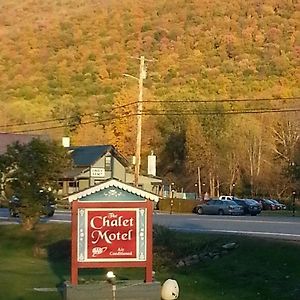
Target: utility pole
[[139, 122], [199, 183], [294, 203], [139, 117]]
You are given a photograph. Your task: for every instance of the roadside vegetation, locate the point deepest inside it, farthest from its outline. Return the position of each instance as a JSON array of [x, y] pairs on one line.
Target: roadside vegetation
[[34, 264], [187, 206], [29, 173]]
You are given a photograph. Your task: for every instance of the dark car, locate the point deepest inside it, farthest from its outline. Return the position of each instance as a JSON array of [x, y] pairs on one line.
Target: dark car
[[219, 207], [14, 205], [277, 204], [267, 204], [250, 206]]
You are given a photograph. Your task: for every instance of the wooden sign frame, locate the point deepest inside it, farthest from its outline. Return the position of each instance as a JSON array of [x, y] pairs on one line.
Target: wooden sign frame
[[79, 207]]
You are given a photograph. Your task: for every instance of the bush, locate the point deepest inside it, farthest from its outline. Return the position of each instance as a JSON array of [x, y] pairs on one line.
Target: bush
[[179, 205]]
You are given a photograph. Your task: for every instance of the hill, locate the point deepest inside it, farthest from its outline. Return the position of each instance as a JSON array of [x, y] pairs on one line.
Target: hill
[[64, 61]]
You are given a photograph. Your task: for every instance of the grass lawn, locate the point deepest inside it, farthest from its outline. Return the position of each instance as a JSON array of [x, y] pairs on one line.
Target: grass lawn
[[285, 213], [33, 265]]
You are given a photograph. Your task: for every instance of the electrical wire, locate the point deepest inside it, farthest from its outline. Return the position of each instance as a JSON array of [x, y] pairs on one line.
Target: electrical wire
[[224, 100], [170, 113], [63, 119], [230, 112], [154, 101]]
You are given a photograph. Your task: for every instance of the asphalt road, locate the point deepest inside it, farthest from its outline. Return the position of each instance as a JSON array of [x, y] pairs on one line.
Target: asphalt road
[[267, 226]]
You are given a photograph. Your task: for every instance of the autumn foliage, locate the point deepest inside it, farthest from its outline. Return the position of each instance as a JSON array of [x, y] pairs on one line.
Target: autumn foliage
[[64, 62]]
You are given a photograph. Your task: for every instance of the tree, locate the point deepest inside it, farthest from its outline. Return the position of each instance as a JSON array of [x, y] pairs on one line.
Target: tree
[[295, 170], [32, 171], [122, 128], [286, 148], [198, 151]]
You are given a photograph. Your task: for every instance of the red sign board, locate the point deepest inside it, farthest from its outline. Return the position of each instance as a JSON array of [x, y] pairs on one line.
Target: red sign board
[[111, 234]]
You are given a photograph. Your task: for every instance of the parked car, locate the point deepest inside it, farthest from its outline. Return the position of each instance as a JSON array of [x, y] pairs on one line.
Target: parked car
[[14, 205], [250, 206], [278, 205], [219, 207], [266, 204], [226, 197]]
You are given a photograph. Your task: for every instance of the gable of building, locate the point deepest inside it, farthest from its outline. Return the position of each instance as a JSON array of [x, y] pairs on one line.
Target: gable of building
[[85, 156]]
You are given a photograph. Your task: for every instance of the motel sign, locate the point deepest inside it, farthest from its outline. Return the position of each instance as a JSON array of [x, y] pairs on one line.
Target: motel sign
[[112, 234], [112, 227]]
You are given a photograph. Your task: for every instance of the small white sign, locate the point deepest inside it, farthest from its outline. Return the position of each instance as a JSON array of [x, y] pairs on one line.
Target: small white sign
[[97, 172]]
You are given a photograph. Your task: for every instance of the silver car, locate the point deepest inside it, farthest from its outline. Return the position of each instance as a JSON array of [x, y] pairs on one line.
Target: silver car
[[219, 207]]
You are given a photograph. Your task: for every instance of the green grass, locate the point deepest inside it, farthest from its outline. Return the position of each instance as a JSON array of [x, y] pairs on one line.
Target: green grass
[[257, 269], [283, 213]]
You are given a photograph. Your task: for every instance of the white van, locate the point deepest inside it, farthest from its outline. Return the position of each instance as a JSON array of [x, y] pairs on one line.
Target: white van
[[226, 198]]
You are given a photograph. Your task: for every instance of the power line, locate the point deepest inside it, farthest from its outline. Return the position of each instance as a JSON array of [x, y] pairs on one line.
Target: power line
[[229, 112], [171, 113], [63, 119], [82, 123], [224, 100], [154, 101], [36, 122]]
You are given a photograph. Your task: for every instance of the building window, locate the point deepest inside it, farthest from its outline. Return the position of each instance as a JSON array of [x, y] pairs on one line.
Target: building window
[[73, 184], [108, 160], [60, 184]]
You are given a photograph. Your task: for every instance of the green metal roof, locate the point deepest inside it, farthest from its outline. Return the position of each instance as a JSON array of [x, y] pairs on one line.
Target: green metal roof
[[87, 155]]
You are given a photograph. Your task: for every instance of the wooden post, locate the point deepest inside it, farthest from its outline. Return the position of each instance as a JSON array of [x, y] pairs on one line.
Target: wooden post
[[139, 123], [74, 265], [199, 183], [148, 275]]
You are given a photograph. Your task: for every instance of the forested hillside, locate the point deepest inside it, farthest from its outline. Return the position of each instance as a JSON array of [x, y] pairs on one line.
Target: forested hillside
[[62, 66]]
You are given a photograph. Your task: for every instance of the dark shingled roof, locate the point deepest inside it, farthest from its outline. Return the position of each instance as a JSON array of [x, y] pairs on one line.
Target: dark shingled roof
[[84, 156], [10, 138]]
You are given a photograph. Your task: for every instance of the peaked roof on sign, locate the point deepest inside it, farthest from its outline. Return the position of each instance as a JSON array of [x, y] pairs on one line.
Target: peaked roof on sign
[[113, 183], [87, 155]]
